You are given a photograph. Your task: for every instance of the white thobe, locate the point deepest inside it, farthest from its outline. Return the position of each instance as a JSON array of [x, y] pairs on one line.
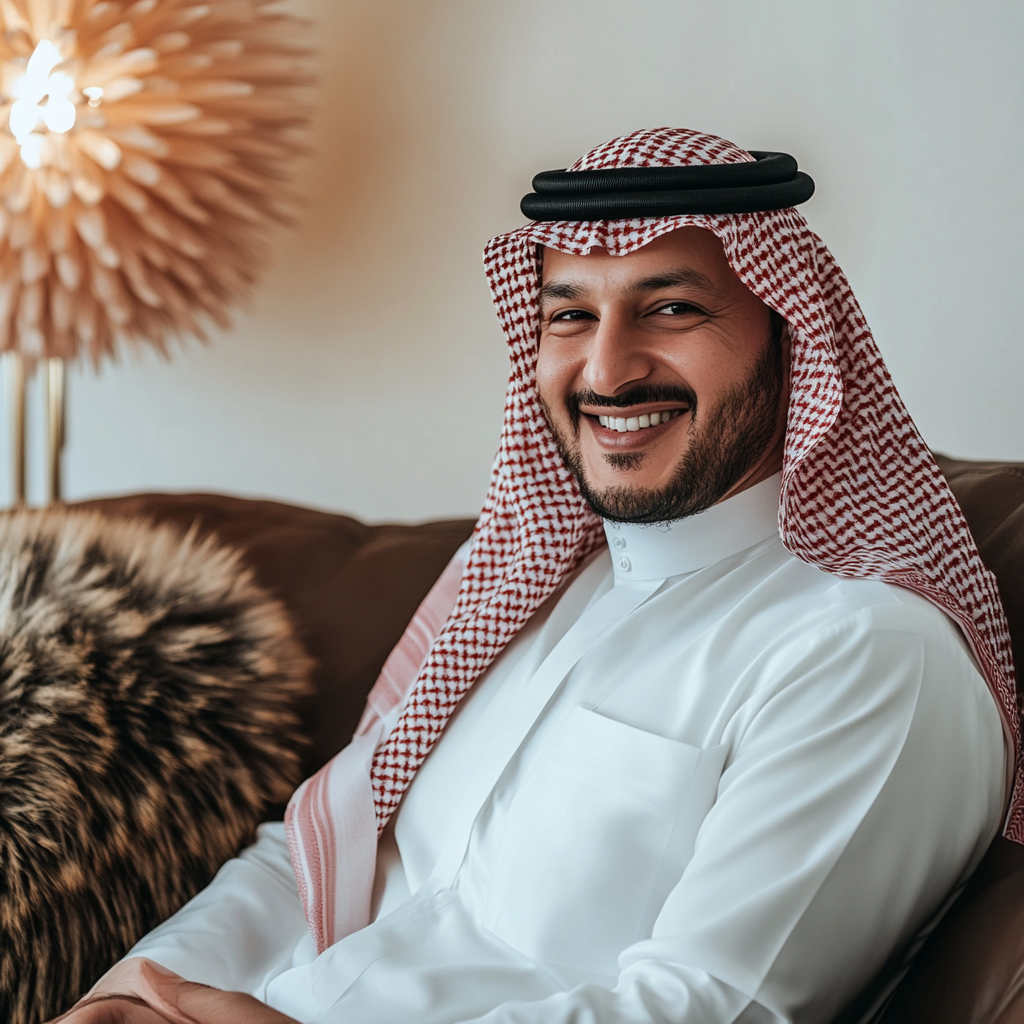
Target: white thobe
[[707, 783]]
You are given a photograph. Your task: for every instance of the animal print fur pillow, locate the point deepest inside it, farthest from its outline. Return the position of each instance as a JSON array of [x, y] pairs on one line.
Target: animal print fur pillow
[[147, 720]]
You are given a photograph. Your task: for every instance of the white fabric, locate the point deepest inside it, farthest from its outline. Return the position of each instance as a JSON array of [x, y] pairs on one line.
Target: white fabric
[[708, 783]]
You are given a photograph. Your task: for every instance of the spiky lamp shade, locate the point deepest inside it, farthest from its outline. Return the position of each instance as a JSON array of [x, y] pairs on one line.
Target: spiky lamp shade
[[144, 151]]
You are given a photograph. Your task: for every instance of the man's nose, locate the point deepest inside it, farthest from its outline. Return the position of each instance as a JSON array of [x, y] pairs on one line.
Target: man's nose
[[616, 359]]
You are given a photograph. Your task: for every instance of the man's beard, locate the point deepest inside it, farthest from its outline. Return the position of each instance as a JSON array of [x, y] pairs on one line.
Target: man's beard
[[724, 445]]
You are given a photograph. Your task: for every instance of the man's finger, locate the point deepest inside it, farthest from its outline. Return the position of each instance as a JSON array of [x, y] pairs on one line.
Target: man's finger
[[213, 1006], [111, 1010]]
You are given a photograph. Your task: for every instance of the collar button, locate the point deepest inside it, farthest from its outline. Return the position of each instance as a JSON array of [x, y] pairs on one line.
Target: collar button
[[625, 564]]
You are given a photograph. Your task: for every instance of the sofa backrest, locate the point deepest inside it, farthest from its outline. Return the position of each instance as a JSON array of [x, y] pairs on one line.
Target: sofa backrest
[[991, 495]]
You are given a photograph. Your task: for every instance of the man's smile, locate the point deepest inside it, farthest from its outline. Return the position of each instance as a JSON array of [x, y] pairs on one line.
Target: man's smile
[[644, 421], [632, 427]]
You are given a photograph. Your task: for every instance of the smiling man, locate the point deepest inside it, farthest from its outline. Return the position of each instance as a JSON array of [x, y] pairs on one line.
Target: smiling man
[[706, 725]]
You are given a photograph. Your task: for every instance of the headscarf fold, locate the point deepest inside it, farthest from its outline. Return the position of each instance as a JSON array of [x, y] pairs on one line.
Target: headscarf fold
[[862, 495]]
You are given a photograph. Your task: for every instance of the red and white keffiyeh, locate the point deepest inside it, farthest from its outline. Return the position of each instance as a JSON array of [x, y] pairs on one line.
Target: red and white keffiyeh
[[861, 496]]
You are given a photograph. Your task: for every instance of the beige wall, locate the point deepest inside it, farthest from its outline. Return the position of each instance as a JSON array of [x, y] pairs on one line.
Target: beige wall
[[368, 374]]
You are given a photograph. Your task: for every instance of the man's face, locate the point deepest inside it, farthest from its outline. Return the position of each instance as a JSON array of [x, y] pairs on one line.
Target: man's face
[[661, 376]]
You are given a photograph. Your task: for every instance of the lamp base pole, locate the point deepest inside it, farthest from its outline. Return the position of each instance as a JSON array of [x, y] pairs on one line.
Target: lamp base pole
[[14, 372], [55, 424]]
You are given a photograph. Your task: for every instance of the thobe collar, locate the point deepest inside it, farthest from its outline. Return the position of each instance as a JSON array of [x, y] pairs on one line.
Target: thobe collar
[[659, 550]]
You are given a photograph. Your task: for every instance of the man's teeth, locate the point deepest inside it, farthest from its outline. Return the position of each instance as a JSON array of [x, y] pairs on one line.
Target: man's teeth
[[622, 424]]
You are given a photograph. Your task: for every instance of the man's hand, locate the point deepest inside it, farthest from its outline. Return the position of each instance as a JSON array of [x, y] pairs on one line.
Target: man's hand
[[203, 1005], [160, 997], [196, 1004]]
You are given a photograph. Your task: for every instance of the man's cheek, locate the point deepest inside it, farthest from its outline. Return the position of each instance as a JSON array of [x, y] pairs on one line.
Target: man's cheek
[[544, 382], [552, 403]]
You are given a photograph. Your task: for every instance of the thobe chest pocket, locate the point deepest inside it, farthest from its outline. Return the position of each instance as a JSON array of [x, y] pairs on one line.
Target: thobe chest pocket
[[595, 838]]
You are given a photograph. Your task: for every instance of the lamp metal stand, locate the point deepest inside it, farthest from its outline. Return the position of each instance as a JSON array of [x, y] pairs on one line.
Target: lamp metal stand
[[55, 427], [14, 372], [55, 386]]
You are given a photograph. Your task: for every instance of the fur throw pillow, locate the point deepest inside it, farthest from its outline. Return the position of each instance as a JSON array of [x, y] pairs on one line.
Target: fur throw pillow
[[147, 720]]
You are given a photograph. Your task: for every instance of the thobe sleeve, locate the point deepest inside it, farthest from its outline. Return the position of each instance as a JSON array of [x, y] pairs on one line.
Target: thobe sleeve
[[243, 928], [861, 790]]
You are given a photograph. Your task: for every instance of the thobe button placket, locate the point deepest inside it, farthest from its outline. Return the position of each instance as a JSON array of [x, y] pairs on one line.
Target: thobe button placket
[[619, 543]]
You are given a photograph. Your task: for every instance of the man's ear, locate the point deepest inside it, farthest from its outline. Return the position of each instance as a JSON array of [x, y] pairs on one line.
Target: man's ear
[[782, 341], [778, 329]]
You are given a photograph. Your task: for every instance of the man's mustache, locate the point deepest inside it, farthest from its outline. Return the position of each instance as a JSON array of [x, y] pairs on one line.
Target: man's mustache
[[642, 394]]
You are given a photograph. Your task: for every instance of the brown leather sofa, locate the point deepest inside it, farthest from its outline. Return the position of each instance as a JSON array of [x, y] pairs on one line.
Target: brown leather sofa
[[351, 588]]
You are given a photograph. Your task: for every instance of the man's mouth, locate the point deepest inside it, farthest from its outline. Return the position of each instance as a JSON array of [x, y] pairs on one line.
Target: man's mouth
[[624, 424]]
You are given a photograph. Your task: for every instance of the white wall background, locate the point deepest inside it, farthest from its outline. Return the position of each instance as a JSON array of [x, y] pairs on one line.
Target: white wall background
[[368, 374]]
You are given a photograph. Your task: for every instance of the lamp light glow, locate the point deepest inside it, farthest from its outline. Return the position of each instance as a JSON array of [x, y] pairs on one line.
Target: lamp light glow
[[40, 82]]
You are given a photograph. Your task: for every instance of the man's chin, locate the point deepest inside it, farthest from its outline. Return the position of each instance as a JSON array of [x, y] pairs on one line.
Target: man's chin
[[627, 500], [631, 504], [624, 489]]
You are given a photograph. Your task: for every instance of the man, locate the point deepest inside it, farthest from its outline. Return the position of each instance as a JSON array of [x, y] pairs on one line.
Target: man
[[728, 744]]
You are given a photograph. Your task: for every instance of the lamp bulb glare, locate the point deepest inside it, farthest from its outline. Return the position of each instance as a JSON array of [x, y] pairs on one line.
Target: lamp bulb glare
[[40, 82]]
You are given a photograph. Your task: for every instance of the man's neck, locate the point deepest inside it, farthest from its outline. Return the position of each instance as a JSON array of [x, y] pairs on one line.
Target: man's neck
[[660, 550]]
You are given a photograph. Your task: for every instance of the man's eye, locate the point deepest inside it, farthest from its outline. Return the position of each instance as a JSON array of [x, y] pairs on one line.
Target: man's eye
[[678, 309], [572, 314]]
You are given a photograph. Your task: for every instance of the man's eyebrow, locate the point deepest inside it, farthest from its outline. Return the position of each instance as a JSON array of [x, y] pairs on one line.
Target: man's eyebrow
[[671, 279], [685, 276], [561, 290]]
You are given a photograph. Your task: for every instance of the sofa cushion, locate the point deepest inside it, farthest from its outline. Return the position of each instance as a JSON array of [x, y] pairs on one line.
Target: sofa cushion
[[349, 588], [147, 720]]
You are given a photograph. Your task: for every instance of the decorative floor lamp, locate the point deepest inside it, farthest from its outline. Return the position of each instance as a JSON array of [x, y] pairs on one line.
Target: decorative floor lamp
[[144, 150]]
